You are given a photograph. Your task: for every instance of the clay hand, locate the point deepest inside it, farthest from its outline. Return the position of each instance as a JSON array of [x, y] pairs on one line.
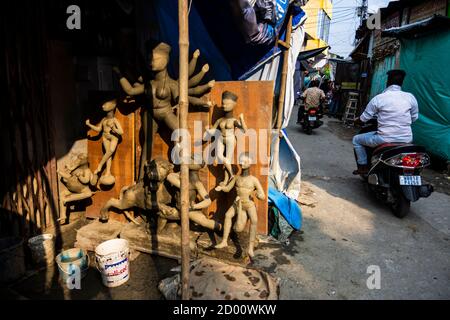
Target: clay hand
[[196, 54], [212, 83], [88, 123], [205, 68]]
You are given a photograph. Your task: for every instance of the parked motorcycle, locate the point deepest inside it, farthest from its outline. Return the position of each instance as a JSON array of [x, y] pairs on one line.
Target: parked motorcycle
[[311, 119], [395, 173]]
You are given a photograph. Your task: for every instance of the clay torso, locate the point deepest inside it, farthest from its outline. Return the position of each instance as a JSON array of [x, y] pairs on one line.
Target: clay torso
[[108, 125], [244, 188], [161, 94], [73, 184], [227, 126]]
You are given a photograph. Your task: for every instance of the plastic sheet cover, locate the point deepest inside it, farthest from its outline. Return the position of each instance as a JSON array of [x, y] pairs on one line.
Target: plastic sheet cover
[[426, 60]]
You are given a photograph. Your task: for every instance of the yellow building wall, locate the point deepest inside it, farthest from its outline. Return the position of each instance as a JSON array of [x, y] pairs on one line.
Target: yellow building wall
[[312, 10]]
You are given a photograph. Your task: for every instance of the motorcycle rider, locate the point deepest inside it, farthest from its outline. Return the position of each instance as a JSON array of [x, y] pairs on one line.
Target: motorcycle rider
[[395, 111], [313, 97]]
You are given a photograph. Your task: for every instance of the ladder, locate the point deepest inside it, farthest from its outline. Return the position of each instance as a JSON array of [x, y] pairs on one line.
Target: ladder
[[350, 108]]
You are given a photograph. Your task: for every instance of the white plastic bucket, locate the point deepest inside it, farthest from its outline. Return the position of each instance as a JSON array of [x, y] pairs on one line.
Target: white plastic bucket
[[112, 260], [42, 249], [71, 259]]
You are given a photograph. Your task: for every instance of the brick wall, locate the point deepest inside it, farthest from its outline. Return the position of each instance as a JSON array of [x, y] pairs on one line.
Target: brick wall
[[427, 9]]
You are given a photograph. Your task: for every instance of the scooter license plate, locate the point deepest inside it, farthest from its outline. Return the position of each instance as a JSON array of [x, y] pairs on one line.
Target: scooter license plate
[[312, 118], [410, 180]]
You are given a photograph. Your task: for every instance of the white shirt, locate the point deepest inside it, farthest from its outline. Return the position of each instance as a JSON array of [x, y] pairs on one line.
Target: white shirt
[[396, 110]]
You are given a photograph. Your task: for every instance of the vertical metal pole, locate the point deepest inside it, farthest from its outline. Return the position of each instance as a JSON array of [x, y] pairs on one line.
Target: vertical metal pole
[[183, 113]]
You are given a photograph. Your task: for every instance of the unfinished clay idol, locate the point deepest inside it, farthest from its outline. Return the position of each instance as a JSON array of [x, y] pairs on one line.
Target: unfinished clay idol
[[243, 206], [227, 125], [162, 90], [111, 131], [76, 177]]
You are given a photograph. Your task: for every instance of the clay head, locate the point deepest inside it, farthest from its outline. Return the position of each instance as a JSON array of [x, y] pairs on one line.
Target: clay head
[[245, 160], [159, 169], [229, 101], [160, 57], [109, 106]]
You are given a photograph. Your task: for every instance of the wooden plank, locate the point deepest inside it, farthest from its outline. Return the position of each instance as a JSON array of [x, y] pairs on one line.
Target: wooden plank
[[255, 102], [122, 165]]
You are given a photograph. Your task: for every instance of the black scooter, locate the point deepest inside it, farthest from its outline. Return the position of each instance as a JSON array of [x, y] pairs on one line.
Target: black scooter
[[310, 119], [394, 174]]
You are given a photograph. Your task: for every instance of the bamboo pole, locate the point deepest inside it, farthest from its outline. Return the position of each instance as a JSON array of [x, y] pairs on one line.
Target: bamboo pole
[[282, 96], [183, 113], [281, 99]]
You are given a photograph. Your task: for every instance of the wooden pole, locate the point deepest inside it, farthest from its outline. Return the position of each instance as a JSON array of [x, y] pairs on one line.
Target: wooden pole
[[281, 99], [284, 72], [183, 113]]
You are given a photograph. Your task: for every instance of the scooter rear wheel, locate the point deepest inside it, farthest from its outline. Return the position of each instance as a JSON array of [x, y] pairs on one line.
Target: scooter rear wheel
[[401, 206]]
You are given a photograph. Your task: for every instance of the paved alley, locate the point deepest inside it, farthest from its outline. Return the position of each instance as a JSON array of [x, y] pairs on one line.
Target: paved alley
[[346, 231]]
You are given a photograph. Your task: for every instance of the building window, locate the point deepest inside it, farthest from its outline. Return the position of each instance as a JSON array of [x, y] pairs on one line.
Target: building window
[[323, 25]]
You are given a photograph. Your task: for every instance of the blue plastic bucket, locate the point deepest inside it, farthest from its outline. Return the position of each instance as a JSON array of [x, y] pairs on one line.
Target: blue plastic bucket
[[69, 260]]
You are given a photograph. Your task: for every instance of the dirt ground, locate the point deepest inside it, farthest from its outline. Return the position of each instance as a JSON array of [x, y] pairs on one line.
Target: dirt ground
[[146, 271]]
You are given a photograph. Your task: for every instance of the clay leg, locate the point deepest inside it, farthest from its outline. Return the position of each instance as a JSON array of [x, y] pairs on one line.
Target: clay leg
[[171, 121], [199, 218], [230, 143], [63, 213], [254, 222], [73, 197], [227, 227], [112, 149], [241, 220], [221, 157], [106, 144], [112, 203]]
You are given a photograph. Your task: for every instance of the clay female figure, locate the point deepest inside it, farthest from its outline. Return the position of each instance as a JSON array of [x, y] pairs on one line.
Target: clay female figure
[[111, 131], [243, 206], [162, 91], [227, 125], [76, 176]]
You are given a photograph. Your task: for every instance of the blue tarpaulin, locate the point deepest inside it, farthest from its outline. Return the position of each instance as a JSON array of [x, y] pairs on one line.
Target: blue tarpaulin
[[288, 207]]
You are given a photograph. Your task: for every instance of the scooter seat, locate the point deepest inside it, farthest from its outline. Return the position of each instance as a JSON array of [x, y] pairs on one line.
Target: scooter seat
[[390, 145]]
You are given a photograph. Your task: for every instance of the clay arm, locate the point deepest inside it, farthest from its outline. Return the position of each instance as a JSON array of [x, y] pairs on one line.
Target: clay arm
[[193, 62], [210, 131], [241, 123], [206, 201], [259, 189], [228, 187], [199, 102], [118, 128], [195, 80], [95, 128], [201, 90], [174, 179], [135, 90]]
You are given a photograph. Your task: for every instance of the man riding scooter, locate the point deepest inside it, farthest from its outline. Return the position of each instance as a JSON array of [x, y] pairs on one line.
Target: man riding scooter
[[310, 113], [395, 111]]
